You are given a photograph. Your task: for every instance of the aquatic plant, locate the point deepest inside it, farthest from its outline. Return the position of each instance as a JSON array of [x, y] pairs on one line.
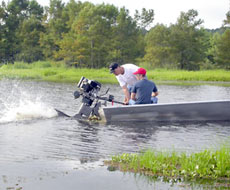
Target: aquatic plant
[[207, 164]]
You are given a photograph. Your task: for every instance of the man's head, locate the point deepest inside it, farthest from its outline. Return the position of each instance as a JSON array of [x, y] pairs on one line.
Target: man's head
[[140, 73], [116, 69]]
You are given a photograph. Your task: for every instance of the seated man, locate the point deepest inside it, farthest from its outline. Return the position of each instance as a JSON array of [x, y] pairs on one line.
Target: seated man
[[144, 91]]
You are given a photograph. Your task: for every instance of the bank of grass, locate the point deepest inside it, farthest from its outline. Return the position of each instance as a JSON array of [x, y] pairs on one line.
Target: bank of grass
[[54, 72], [206, 164], [58, 72]]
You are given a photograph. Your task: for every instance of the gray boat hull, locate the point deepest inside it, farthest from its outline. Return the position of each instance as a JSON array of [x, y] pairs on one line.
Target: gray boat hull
[[193, 111]]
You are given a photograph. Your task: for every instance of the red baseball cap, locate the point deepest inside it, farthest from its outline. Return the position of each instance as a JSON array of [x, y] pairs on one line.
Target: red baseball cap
[[140, 71]]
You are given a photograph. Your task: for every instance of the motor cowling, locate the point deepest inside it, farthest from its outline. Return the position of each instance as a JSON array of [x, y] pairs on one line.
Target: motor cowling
[[89, 90]]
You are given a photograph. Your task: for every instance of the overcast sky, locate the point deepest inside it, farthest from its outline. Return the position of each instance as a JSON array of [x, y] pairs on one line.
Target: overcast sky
[[213, 12]]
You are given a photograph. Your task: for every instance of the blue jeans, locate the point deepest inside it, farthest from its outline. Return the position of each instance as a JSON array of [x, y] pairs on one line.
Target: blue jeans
[[154, 100], [132, 102]]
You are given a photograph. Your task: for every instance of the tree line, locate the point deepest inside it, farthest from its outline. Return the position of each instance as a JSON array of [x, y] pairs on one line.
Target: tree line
[[87, 35]]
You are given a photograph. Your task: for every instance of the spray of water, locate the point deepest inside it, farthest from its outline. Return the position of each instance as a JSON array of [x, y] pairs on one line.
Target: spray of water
[[28, 110], [20, 105]]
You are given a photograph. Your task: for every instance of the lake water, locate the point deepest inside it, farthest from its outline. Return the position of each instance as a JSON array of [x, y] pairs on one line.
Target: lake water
[[42, 151]]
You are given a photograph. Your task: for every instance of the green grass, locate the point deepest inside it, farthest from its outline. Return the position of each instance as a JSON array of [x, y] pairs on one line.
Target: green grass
[[58, 72], [180, 75], [207, 164], [54, 72]]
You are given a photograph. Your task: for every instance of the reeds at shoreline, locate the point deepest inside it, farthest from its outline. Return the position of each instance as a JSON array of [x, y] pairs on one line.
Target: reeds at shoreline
[[206, 164]]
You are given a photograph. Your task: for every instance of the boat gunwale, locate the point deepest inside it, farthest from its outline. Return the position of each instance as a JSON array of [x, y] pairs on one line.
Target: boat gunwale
[[166, 104]]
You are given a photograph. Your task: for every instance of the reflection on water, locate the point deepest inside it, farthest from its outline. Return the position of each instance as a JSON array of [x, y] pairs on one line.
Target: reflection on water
[[41, 150]]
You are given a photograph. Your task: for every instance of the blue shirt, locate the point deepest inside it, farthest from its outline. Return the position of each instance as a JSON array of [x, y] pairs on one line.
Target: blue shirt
[[143, 89]]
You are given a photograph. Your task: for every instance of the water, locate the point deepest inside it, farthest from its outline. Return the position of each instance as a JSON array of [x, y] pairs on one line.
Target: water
[[42, 151]]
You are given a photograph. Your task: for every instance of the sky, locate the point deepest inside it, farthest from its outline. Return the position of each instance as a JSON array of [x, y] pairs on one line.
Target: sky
[[212, 12]]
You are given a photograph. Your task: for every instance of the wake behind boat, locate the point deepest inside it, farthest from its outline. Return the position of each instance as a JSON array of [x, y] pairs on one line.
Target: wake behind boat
[[92, 103]]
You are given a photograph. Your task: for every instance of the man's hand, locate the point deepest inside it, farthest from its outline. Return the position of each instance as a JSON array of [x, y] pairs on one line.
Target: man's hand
[[126, 103]]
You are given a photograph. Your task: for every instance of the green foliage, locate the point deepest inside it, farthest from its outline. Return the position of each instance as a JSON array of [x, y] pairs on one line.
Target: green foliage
[[205, 164], [55, 25], [59, 72], [21, 31], [188, 42], [13, 14], [100, 34], [178, 75], [86, 44], [125, 36], [88, 35], [29, 36], [227, 21], [158, 48], [183, 45], [223, 50], [145, 18]]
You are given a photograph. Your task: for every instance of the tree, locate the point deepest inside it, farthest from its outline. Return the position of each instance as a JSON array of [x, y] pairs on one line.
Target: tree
[[2, 33], [227, 21], [158, 49], [220, 46], [145, 18], [55, 26], [29, 34], [15, 12], [14, 17], [188, 40], [125, 46], [87, 43], [71, 11], [101, 34], [223, 50], [212, 46]]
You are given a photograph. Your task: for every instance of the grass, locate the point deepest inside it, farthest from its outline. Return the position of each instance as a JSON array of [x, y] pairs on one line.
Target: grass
[[181, 75], [202, 165], [54, 72], [58, 72]]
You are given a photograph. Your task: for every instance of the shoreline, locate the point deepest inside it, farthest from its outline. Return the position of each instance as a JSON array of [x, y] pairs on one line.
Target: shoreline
[[54, 72], [114, 82]]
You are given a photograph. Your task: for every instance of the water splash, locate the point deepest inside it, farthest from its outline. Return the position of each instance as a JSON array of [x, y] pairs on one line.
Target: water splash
[[20, 103], [27, 110]]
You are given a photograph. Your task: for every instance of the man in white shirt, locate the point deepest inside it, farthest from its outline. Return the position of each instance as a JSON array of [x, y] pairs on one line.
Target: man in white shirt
[[125, 77]]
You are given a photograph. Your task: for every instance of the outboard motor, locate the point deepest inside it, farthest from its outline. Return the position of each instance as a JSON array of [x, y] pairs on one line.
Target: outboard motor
[[89, 90], [89, 109]]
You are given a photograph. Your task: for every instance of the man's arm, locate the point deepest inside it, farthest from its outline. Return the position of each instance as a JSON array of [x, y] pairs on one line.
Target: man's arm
[[127, 94], [133, 96], [154, 94], [155, 91]]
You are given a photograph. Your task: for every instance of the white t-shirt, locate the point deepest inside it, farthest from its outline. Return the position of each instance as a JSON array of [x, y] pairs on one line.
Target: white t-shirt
[[128, 78]]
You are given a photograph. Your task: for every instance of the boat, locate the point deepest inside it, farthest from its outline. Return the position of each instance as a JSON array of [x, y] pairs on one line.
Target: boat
[[93, 103], [168, 112]]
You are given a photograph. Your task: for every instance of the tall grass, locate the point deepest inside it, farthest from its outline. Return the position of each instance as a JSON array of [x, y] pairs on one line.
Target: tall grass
[[55, 72], [59, 72], [207, 164], [181, 75]]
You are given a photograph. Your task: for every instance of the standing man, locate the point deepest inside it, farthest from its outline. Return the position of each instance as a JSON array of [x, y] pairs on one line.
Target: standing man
[[125, 77], [144, 91]]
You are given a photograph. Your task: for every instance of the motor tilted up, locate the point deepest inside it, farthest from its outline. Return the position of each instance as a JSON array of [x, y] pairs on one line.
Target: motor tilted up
[[88, 90]]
